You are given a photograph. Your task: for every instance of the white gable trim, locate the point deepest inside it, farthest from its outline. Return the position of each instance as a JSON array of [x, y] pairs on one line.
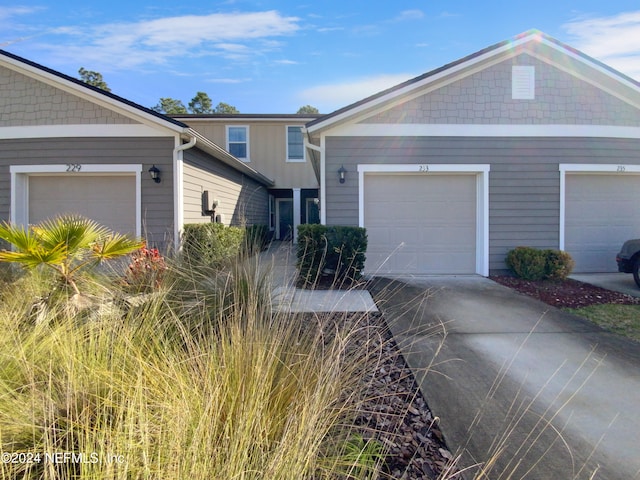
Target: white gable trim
[[594, 168], [62, 131], [482, 197], [20, 184], [466, 68], [481, 130], [105, 101]]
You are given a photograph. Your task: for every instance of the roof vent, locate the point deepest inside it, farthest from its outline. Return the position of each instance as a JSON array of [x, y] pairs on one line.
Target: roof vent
[[523, 82]]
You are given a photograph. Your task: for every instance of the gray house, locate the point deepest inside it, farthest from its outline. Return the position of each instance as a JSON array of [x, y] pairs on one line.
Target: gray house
[[527, 142], [68, 147]]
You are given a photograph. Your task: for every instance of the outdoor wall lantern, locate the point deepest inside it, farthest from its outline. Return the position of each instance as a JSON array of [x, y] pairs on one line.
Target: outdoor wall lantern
[[341, 173], [155, 174]]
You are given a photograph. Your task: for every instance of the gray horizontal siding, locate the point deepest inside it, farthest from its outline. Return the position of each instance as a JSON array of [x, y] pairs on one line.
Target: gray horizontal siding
[[524, 181], [242, 200], [157, 199]]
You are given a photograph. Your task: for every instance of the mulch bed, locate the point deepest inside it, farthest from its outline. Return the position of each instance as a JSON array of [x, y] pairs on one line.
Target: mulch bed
[[395, 412], [567, 293]]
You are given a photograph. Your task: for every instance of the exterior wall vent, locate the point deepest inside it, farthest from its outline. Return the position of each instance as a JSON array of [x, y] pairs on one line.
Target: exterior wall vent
[[523, 82]]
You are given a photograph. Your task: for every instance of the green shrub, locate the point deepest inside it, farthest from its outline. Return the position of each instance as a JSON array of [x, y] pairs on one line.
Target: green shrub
[[330, 251], [535, 264], [211, 243], [558, 264]]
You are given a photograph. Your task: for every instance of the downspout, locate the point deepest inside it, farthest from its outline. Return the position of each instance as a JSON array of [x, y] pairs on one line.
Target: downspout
[[319, 174], [178, 188]]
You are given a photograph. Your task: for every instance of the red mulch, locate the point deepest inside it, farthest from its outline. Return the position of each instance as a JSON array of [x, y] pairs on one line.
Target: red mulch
[[565, 293]]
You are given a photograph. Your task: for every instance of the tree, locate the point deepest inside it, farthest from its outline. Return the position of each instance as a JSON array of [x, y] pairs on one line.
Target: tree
[[307, 109], [225, 108], [93, 78], [201, 103], [69, 245], [170, 106]]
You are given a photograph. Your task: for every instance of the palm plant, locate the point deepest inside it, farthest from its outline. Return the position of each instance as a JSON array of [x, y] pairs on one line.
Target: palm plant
[[68, 244]]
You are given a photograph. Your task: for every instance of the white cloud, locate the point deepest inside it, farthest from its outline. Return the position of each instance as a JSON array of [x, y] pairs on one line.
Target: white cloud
[[409, 15], [286, 62], [8, 12], [126, 45], [330, 97], [614, 40]]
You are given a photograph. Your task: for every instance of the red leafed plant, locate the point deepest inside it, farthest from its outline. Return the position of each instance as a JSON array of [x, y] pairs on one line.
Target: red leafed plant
[[146, 269]]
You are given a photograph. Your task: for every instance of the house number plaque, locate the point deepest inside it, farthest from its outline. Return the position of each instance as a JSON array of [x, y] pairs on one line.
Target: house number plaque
[[423, 168], [74, 167], [621, 168]]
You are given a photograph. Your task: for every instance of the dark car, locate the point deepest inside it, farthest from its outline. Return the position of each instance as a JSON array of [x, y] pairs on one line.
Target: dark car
[[629, 259]]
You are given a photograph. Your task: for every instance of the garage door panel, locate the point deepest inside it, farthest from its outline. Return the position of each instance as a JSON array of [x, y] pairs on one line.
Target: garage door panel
[[601, 212], [109, 200], [428, 225]]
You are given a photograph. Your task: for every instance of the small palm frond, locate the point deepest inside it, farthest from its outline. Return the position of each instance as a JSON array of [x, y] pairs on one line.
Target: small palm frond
[[74, 231], [34, 254], [115, 245], [19, 236]]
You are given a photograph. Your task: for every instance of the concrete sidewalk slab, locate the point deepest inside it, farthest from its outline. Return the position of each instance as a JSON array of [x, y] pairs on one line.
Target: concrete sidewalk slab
[[555, 394], [297, 300], [617, 282], [279, 261]]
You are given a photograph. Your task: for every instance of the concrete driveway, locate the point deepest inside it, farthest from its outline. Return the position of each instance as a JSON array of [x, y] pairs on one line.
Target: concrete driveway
[[535, 392], [618, 282]]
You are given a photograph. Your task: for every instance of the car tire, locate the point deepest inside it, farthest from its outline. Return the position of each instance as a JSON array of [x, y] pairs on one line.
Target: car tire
[[636, 271]]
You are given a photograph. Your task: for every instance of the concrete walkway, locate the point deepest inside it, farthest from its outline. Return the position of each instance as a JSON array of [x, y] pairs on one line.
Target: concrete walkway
[[279, 260], [541, 393]]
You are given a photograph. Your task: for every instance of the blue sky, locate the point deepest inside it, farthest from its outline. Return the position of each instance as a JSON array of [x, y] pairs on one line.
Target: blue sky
[[275, 56]]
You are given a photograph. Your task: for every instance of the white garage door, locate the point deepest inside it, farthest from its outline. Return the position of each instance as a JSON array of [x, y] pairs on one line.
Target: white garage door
[[109, 200], [601, 212], [424, 224]]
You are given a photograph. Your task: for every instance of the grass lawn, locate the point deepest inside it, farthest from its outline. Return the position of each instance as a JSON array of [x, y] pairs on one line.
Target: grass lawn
[[620, 319]]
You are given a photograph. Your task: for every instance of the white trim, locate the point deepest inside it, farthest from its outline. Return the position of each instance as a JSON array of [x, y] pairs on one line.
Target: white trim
[[586, 168], [51, 131], [482, 200], [304, 149], [323, 180], [20, 184], [296, 213], [248, 143], [480, 130]]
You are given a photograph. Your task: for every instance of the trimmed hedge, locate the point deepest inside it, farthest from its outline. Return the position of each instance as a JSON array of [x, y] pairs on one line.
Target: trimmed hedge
[[330, 251], [535, 264], [212, 243]]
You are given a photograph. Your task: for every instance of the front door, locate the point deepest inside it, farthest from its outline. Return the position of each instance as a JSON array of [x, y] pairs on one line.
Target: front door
[[284, 219]]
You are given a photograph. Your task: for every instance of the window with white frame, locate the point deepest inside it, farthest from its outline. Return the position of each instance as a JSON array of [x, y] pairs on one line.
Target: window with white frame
[[238, 141], [295, 144]]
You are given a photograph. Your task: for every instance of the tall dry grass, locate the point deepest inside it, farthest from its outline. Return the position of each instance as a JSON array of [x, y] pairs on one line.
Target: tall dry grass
[[197, 380]]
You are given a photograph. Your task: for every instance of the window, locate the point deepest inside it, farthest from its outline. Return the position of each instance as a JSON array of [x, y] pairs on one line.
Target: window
[[238, 142], [295, 144]]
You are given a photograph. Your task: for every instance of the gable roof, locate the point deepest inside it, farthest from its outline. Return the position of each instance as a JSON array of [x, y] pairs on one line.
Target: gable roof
[[516, 45], [124, 106]]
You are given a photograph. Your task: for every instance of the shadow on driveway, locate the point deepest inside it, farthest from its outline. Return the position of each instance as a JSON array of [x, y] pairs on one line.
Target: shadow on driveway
[[536, 392]]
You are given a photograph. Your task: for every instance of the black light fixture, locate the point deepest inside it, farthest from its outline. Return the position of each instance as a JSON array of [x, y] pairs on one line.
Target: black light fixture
[[155, 174], [341, 173]]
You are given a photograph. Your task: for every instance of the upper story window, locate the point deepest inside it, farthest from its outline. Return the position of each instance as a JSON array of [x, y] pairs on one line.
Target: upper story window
[[295, 144], [238, 141]]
